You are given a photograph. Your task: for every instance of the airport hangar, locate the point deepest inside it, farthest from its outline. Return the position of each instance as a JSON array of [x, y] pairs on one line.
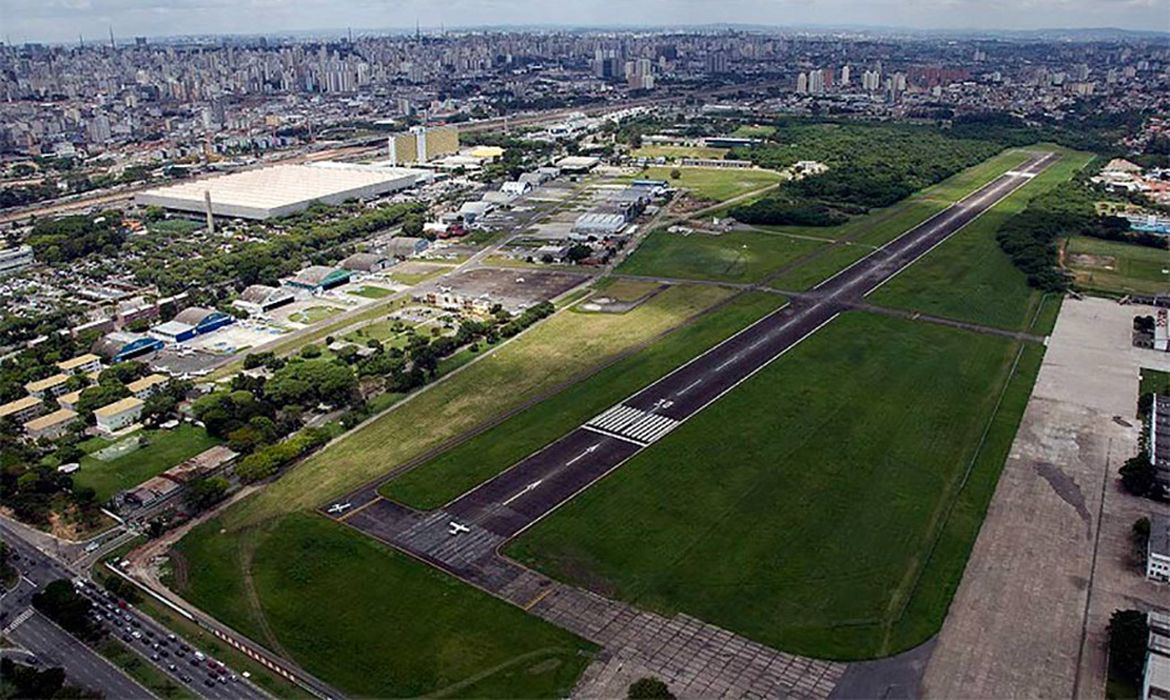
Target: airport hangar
[[281, 190]]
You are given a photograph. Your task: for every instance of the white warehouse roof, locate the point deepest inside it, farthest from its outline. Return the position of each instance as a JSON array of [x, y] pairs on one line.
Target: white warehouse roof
[[282, 189]]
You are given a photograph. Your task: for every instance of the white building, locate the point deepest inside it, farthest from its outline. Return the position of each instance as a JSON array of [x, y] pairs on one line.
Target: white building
[[14, 259], [1156, 675], [118, 415], [1158, 549]]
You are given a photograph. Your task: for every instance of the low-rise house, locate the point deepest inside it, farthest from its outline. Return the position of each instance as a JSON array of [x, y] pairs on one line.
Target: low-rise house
[[69, 400], [52, 425], [148, 386], [51, 387], [82, 364], [23, 409], [118, 415]]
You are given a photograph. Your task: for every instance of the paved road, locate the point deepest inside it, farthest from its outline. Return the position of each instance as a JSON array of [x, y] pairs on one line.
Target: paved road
[[38, 569]]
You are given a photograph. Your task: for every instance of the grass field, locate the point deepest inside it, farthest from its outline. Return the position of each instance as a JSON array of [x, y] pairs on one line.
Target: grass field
[[715, 184], [371, 621], [817, 507], [736, 256], [552, 353], [673, 152], [968, 277], [314, 314], [623, 289], [441, 479], [166, 449], [413, 278], [371, 292], [754, 131], [1119, 268]]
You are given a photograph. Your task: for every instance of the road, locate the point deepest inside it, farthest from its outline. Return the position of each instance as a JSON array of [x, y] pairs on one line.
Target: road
[[140, 632]]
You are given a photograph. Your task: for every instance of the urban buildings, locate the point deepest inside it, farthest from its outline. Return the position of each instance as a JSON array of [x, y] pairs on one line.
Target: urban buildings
[[422, 144]]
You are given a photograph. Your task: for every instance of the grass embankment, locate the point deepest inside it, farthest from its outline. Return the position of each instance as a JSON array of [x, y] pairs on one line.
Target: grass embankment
[[736, 256], [1117, 268], [371, 621], [554, 352], [804, 509], [675, 152], [456, 471], [968, 277], [166, 448]]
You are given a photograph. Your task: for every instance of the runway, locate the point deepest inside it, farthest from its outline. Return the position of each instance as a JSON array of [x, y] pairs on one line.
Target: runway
[[464, 537]]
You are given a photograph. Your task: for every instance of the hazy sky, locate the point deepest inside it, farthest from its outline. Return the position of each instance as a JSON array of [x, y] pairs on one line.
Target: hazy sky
[[63, 20]]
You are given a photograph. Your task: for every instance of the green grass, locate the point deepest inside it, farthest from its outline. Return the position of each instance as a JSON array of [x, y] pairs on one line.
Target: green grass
[[149, 677], [413, 278], [715, 184], [1118, 268], [174, 226], [736, 256], [810, 508], [673, 152], [458, 470], [166, 449], [968, 277], [1154, 381], [754, 131], [415, 631], [314, 314], [558, 350], [371, 292]]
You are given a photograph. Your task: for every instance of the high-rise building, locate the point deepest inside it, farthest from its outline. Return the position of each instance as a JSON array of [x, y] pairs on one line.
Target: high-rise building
[[802, 83], [639, 74], [422, 144], [718, 63], [816, 82], [844, 76]]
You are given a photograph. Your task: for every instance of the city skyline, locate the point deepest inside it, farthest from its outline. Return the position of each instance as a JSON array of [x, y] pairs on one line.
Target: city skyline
[[65, 21]]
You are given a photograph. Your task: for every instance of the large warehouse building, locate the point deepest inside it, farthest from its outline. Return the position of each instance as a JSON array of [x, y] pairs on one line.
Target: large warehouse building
[[282, 189]]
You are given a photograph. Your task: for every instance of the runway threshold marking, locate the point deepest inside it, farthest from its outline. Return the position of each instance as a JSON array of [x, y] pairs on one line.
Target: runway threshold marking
[[359, 509], [539, 597], [600, 431]]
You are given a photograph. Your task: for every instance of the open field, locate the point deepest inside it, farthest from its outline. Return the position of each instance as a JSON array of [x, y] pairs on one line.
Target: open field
[[416, 632], [735, 256], [166, 448], [555, 351], [441, 479], [314, 314], [673, 152], [754, 131], [715, 184], [828, 527], [1119, 268], [370, 292], [968, 277], [623, 289]]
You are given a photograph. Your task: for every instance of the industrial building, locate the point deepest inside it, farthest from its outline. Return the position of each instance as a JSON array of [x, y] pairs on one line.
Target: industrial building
[[598, 225], [404, 247], [122, 345], [365, 262], [189, 323], [422, 144], [281, 190], [317, 278], [260, 298]]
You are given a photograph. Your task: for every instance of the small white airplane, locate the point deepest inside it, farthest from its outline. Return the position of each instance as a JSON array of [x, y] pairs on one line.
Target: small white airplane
[[339, 508], [457, 528]]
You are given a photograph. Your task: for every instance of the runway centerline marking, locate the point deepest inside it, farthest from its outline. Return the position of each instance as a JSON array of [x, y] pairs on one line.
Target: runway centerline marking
[[588, 450], [688, 387]]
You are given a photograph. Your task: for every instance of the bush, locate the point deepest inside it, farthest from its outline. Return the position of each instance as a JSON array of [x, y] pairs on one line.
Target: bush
[[1128, 634], [649, 689]]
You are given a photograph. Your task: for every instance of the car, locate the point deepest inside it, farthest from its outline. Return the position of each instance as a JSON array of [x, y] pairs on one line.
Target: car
[[149, 634], [171, 637], [186, 678], [127, 638], [208, 682], [136, 623], [185, 648], [154, 646], [194, 662], [136, 634], [165, 654], [180, 652], [172, 668], [155, 657], [223, 680]]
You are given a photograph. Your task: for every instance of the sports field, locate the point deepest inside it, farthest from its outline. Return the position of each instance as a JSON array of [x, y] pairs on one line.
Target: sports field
[[715, 184], [163, 450], [554, 352], [968, 277], [735, 256], [439, 480], [811, 507], [369, 620], [1117, 268]]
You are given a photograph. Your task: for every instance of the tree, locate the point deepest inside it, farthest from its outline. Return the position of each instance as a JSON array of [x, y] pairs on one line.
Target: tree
[[1139, 534], [60, 602], [412, 225], [1139, 477], [578, 253], [1128, 635], [206, 492], [649, 689], [27, 682], [675, 173]]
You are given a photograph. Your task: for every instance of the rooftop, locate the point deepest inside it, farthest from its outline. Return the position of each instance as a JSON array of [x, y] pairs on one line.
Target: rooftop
[[18, 405], [50, 420], [147, 382], [118, 407], [1159, 535], [80, 360], [46, 383]]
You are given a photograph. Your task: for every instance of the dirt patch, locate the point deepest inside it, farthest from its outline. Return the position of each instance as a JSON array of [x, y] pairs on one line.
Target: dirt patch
[[1101, 262]]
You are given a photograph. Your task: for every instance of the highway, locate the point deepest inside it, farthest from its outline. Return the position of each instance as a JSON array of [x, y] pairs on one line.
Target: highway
[[138, 631], [506, 505]]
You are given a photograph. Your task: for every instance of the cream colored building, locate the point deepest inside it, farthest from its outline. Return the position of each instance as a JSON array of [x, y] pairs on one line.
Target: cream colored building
[[118, 415], [50, 426], [22, 409], [422, 144]]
